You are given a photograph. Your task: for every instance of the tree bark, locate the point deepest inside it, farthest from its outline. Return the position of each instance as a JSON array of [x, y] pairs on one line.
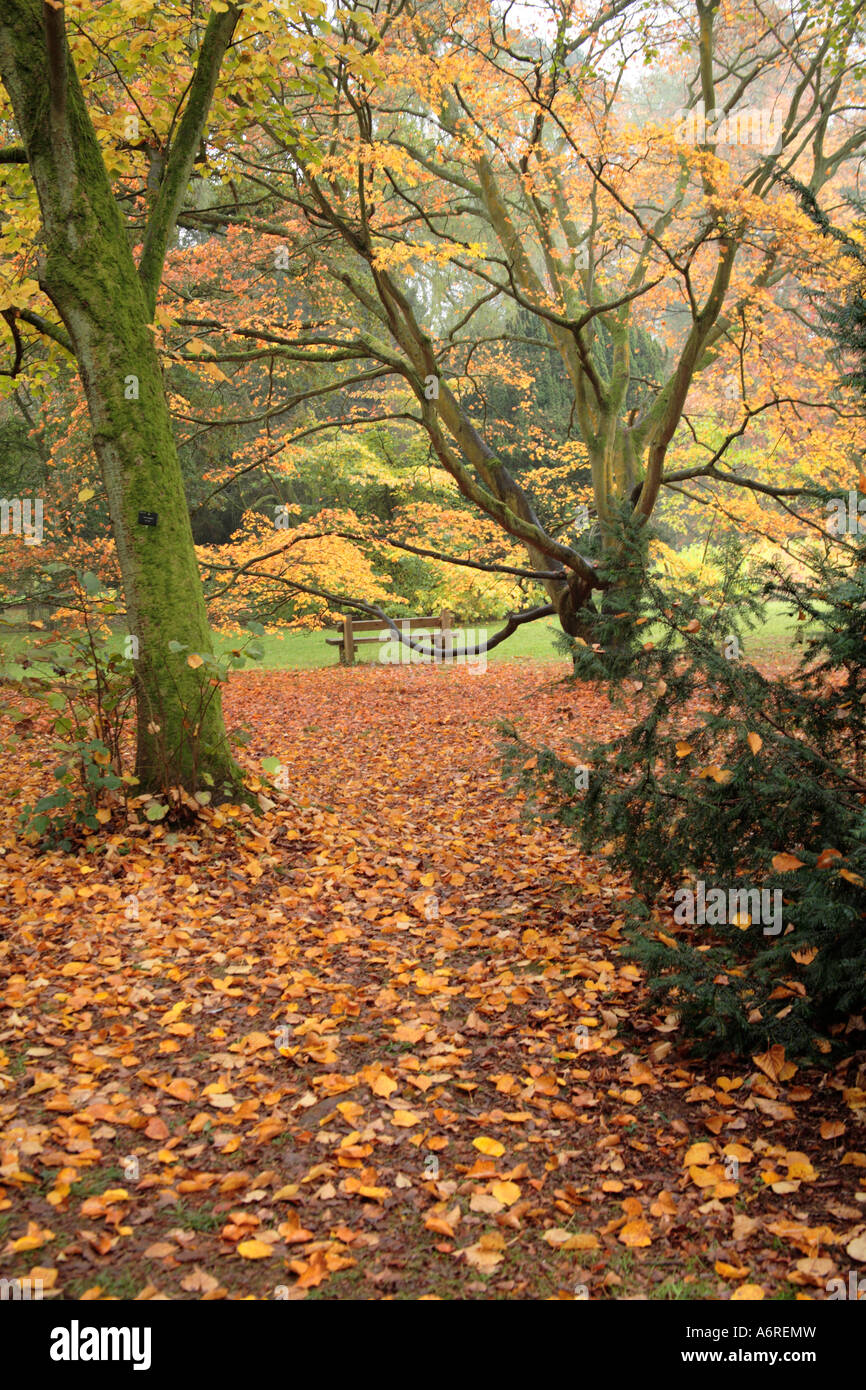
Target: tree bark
[[87, 270]]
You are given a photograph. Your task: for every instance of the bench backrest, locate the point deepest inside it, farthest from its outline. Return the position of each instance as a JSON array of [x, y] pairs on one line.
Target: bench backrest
[[377, 624]]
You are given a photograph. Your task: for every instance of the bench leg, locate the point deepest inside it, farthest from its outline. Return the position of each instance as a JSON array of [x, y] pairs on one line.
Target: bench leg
[[348, 642]]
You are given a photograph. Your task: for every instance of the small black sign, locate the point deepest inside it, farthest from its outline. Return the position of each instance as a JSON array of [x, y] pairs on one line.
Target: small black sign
[[147, 518]]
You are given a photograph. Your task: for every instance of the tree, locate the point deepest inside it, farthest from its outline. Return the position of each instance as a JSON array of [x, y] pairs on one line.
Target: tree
[[741, 795], [447, 140], [106, 304]]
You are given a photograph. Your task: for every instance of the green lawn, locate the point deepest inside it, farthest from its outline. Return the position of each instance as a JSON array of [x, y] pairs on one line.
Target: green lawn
[[300, 649]]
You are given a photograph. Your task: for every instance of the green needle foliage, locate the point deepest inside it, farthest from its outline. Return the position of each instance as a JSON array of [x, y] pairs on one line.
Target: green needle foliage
[[742, 781]]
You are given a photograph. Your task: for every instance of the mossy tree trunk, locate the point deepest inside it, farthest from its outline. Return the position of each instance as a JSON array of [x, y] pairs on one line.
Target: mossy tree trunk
[[107, 305]]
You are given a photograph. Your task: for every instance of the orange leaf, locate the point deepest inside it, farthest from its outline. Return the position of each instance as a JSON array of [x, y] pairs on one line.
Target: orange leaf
[[786, 863], [635, 1233], [826, 858]]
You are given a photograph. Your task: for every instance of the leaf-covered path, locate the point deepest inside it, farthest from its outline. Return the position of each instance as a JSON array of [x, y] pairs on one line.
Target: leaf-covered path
[[383, 1043]]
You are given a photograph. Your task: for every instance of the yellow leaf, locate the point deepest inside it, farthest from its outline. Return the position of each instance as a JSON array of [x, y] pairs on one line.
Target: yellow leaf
[[383, 1085], [556, 1236], [582, 1240], [705, 1177], [255, 1250], [636, 1233], [747, 1293], [311, 1272], [194, 660], [180, 1089], [722, 775], [505, 1192], [755, 742], [24, 1243], [439, 1225], [491, 1147], [409, 1032], [561, 1239], [404, 1119], [700, 1153], [800, 1168], [481, 1258], [286, 1193], [35, 1237], [171, 1016]]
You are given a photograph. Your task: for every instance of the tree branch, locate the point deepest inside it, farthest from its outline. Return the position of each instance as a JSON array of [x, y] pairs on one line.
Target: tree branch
[[181, 156]]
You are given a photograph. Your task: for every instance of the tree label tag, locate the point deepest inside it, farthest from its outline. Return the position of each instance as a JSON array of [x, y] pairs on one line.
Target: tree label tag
[[147, 518]]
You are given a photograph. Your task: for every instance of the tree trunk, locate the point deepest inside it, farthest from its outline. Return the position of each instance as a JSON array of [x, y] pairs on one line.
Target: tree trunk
[[180, 731], [88, 272]]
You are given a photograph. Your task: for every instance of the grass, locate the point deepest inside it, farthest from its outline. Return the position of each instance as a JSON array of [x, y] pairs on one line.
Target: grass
[[194, 1218], [300, 649], [303, 650], [97, 1181], [123, 1284]]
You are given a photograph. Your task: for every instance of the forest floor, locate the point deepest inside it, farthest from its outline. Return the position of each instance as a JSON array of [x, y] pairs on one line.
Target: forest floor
[[383, 1042]]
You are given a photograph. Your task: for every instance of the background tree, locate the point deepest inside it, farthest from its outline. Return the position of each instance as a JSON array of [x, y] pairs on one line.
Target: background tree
[[456, 162]]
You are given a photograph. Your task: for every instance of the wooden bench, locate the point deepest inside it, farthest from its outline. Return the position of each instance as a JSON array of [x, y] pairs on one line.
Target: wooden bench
[[350, 627]]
